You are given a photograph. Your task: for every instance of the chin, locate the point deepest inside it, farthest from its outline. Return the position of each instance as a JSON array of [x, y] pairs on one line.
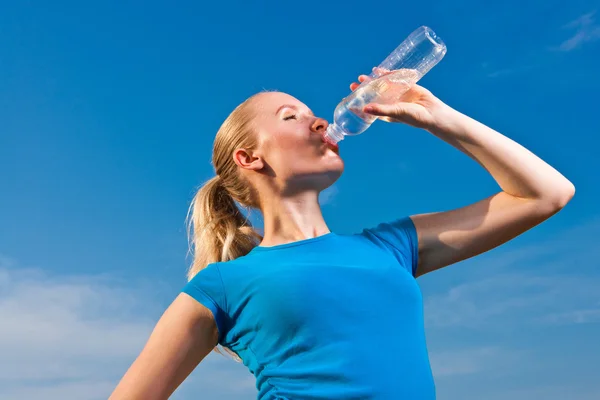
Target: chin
[[335, 166], [314, 180], [332, 175], [318, 175]]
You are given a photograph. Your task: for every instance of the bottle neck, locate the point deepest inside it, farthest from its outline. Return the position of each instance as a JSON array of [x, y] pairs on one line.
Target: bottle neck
[[334, 133]]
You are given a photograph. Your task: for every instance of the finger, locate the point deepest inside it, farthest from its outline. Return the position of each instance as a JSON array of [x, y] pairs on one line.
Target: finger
[[361, 79], [378, 71], [374, 109], [384, 110]]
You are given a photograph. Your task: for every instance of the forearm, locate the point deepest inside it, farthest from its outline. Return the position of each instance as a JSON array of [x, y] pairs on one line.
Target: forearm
[[518, 171]]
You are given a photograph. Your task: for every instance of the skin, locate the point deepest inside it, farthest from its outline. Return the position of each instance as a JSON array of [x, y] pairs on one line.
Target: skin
[[292, 164]]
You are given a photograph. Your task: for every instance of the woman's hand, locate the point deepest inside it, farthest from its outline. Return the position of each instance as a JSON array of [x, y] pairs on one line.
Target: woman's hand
[[416, 106]]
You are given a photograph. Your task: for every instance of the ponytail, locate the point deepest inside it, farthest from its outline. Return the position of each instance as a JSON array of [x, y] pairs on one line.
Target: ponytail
[[218, 229]]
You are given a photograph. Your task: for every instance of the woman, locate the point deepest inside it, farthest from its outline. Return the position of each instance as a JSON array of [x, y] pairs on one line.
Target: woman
[[313, 314]]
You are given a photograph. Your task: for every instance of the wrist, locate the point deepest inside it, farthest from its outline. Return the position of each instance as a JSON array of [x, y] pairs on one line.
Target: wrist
[[446, 121]]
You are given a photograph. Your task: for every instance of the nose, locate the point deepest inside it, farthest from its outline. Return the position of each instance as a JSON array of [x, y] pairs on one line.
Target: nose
[[319, 125]]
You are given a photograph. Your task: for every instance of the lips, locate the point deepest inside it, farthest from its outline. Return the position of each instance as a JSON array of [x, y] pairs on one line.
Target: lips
[[333, 146]]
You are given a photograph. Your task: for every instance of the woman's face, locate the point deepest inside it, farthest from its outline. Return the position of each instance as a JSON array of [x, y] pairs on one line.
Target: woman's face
[[291, 144]]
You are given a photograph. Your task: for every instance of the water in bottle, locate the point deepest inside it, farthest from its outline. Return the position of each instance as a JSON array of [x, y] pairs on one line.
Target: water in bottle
[[408, 63]]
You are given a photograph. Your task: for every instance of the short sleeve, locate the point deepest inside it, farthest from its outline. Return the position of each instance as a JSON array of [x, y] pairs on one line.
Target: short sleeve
[[400, 238], [207, 288]]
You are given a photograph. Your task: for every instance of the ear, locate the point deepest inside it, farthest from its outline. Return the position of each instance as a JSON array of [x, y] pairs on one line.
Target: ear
[[248, 159]]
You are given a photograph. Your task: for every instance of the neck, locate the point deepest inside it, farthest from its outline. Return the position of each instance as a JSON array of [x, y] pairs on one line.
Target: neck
[[291, 219]]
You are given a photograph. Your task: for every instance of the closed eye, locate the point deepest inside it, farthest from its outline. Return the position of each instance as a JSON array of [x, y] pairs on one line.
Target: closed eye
[[290, 117]]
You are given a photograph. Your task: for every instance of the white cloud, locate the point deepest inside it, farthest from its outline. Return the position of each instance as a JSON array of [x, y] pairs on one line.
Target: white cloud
[[451, 363], [486, 330], [554, 281], [580, 316], [51, 327], [328, 195], [73, 337], [510, 71], [218, 377], [537, 391], [81, 390], [586, 30], [512, 300]]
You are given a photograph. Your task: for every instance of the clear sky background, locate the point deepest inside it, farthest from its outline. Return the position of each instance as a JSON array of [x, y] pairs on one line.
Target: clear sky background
[[107, 115]]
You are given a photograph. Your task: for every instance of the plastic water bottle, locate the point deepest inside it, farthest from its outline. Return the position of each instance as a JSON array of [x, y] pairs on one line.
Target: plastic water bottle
[[408, 63]]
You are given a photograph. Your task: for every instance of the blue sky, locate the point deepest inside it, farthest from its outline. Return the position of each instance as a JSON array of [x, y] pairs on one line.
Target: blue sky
[[107, 115]]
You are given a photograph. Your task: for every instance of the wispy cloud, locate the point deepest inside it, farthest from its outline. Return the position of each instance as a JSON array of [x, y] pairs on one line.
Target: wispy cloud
[[512, 300], [510, 71], [64, 337], [470, 361], [586, 30], [548, 391], [72, 337], [81, 389], [218, 377], [521, 286], [477, 329], [583, 316], [328, 195]]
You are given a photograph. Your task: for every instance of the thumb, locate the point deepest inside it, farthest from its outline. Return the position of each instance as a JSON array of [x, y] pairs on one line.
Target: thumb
[[385, 110]]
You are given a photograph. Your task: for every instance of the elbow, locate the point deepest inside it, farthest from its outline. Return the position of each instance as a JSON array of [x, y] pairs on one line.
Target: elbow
[[565, 194], [559, 197]]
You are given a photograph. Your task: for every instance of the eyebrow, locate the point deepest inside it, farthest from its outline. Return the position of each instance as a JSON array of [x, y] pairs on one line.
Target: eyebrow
[[292, 107]]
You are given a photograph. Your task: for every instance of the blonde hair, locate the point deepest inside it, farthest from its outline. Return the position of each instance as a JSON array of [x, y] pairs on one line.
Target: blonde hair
[[217, 228]]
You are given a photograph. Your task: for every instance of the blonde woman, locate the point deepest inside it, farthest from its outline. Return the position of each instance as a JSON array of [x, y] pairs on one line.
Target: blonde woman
[[314, 314]]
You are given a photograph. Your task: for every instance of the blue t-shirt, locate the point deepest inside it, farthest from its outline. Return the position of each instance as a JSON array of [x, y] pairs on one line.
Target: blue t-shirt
[[332, 317]]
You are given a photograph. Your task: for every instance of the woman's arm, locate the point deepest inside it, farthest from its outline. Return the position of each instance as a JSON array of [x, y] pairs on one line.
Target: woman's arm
[[183, 336], [532, 190]]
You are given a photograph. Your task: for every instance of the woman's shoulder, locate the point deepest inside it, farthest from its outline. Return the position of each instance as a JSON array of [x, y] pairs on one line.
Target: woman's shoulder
[[235, 266]]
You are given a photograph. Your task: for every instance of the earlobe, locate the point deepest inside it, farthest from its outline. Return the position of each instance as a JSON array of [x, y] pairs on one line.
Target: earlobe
[[246, 159]]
